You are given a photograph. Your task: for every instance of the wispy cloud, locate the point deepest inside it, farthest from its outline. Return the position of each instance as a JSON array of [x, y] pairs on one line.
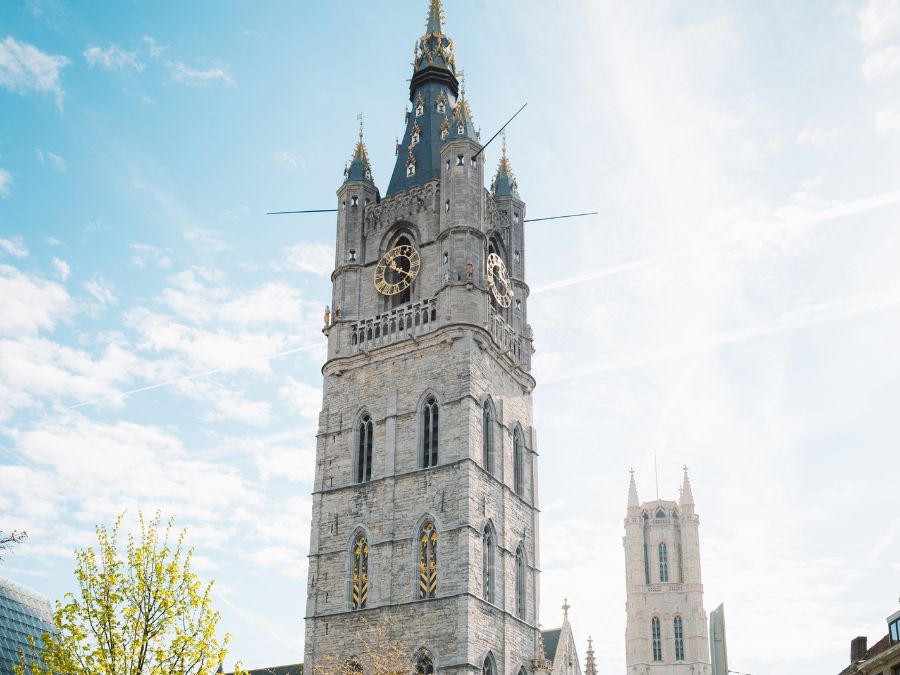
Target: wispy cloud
[[206, 238], [14, 247], [882, 63], [24, 69], [879, 20], [30, 304], [821, 138], [887, 121], [307, 257], [153, 47], [6, 181], [113, 58], [62, 268], [51, 158], [144, 253], [184, 74], [289, 158], [102, 291]]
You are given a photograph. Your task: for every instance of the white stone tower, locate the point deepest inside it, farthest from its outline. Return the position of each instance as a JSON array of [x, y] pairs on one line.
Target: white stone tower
[[424, 514], [666, 633]]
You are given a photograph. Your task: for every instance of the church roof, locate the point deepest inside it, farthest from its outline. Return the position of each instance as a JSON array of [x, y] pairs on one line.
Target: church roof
[[359, 168], [551, 642]]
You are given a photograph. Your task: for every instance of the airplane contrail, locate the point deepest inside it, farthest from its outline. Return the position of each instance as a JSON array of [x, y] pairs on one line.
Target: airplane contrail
[[856, 206], [186, 378]]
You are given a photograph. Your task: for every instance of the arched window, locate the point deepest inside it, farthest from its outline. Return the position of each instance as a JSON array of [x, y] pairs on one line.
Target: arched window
[[521, 604], [424, 664], [518, 463], [487, 437], [364, 450], [487, 563], [657, 639], [427, 560], [679, 639], [430, 433], [663, 564], [680, 565], [360, 573], [353, 666], [489, 667]]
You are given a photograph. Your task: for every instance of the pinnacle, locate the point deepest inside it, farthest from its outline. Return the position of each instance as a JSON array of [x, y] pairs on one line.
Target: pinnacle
[[435, 18], [632, 493]]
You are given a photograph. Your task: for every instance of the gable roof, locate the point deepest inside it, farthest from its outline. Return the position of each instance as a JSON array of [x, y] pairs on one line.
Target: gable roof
[[295, 669], [551, 642]]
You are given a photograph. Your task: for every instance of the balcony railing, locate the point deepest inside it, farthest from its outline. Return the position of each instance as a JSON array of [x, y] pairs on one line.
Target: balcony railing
[[506, 338], [397, 324]]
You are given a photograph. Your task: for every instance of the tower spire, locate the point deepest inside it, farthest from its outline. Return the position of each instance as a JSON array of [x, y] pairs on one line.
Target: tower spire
[[633, 502], [504, 183], [435, 18], [687, 495], [359, 168], [590, 666]]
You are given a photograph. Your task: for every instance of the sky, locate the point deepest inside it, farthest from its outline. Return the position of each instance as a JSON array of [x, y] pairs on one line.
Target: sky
[[733, 307]]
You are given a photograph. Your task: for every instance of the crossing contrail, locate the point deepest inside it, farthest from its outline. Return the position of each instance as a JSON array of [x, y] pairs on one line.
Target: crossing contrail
[[186, 378], [856, 206]]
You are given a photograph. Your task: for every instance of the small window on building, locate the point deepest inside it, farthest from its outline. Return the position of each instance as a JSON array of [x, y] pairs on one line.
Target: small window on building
[[517, 256], [487, 563], [516, 218], [447, 206], [518, 463], [459, 160], [656, 636], [430, 433], [360, 573], [487, 437], [489, 667], [448, 165], [445, 131], [427, 561], [420, 108], [518, 305], [521, 598], [354, 201], [663, 564], [424, 665], [410, 170], [461, 130], [679, 639], [474, 162], [415, 137], [446, 257], [351, 255], [364, 433], [441, 107]]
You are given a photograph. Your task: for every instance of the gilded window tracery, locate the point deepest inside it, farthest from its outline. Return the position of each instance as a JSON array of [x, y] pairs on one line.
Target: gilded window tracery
[[360, 573], [427, 561]]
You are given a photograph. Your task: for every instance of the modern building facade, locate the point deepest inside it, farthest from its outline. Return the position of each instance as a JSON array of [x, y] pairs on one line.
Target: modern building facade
[[425, 509], [23, 615], [666, 631]]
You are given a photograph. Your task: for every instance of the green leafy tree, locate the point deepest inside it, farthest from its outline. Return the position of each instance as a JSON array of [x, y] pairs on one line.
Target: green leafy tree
[[144, 614]]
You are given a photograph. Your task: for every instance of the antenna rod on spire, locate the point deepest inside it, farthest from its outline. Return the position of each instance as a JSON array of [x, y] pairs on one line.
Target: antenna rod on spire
[[498, 133], [656, 471]]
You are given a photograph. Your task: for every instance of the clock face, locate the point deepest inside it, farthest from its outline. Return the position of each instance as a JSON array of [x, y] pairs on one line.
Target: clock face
[[498, 280], [397, 269]]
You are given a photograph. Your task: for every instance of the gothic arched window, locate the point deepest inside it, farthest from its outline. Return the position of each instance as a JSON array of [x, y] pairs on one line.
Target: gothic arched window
[[663, 564], [360, 592], [518, 463], [489, 667], [424, 664], [427, 560], [646, 551], [487, 437], [657, 639], [430, 433], [364, 450], [487, 563], [521, 604], [679, 639], [680, 565]]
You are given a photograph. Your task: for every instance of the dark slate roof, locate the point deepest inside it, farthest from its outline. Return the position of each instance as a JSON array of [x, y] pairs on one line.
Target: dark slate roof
[[427, 152], [551, 642], [295, 669], [359, 168], [504, 184]]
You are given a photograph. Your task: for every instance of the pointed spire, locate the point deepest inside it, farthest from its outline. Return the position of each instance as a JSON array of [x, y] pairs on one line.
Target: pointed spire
[[687, 495], [565, 608], [435, 18], [359, 168], [590, 666], [504, 183], [633, 502]]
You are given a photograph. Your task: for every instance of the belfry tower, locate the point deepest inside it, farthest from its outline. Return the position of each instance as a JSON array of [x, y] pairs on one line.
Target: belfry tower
[[424, 514], [666, 632]]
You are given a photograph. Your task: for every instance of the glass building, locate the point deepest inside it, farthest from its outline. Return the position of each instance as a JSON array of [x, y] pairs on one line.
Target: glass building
[[23, 613]]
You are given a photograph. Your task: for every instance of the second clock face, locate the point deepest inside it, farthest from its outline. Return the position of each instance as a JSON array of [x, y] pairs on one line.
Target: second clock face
[[498, 280], [397, 269]]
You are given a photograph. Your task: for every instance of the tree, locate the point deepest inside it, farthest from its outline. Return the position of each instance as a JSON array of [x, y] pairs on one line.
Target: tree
[[7, 540], [380, 653], [146, 613]]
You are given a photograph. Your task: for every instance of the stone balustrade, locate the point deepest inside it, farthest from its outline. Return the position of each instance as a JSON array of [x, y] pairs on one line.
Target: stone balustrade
[[393, 326]]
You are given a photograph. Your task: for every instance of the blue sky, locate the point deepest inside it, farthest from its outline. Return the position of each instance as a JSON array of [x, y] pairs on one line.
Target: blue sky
[[733, 307]]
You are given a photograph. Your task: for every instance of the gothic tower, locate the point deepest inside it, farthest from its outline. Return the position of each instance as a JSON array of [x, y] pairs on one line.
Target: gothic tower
[[424, 514], [666, 632]]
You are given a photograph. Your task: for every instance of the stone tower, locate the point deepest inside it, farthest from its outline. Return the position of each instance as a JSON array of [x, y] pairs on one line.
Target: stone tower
[[424, 513], [666, 633]]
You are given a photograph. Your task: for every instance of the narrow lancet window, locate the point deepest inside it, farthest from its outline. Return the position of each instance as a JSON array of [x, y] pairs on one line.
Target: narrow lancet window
[[521, 604], [680, 565], [427, 561], [424, 665], [430, 433], [489, 667], [679, 639], [364, 450], [360, 573], [656, 635], [487, 563], [518, 464], [487, 438], [663, 564]]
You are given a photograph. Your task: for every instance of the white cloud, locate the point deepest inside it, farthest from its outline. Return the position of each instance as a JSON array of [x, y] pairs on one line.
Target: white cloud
[[184, 74], [153, 47], [25, 68], [887, 121], [29, 304], [52, 241], [6, 180], [304, 399], [102, 291], [206, 238], [113, 58], [14, 247], [821, 138], [289, 158], [144, 253], [62, 268], [308, 257], [55, 160], [882, 63], [879, 20]]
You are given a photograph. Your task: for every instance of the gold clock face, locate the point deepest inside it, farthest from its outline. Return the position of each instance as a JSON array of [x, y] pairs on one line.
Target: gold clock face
[[397, 269], [498, 280]]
